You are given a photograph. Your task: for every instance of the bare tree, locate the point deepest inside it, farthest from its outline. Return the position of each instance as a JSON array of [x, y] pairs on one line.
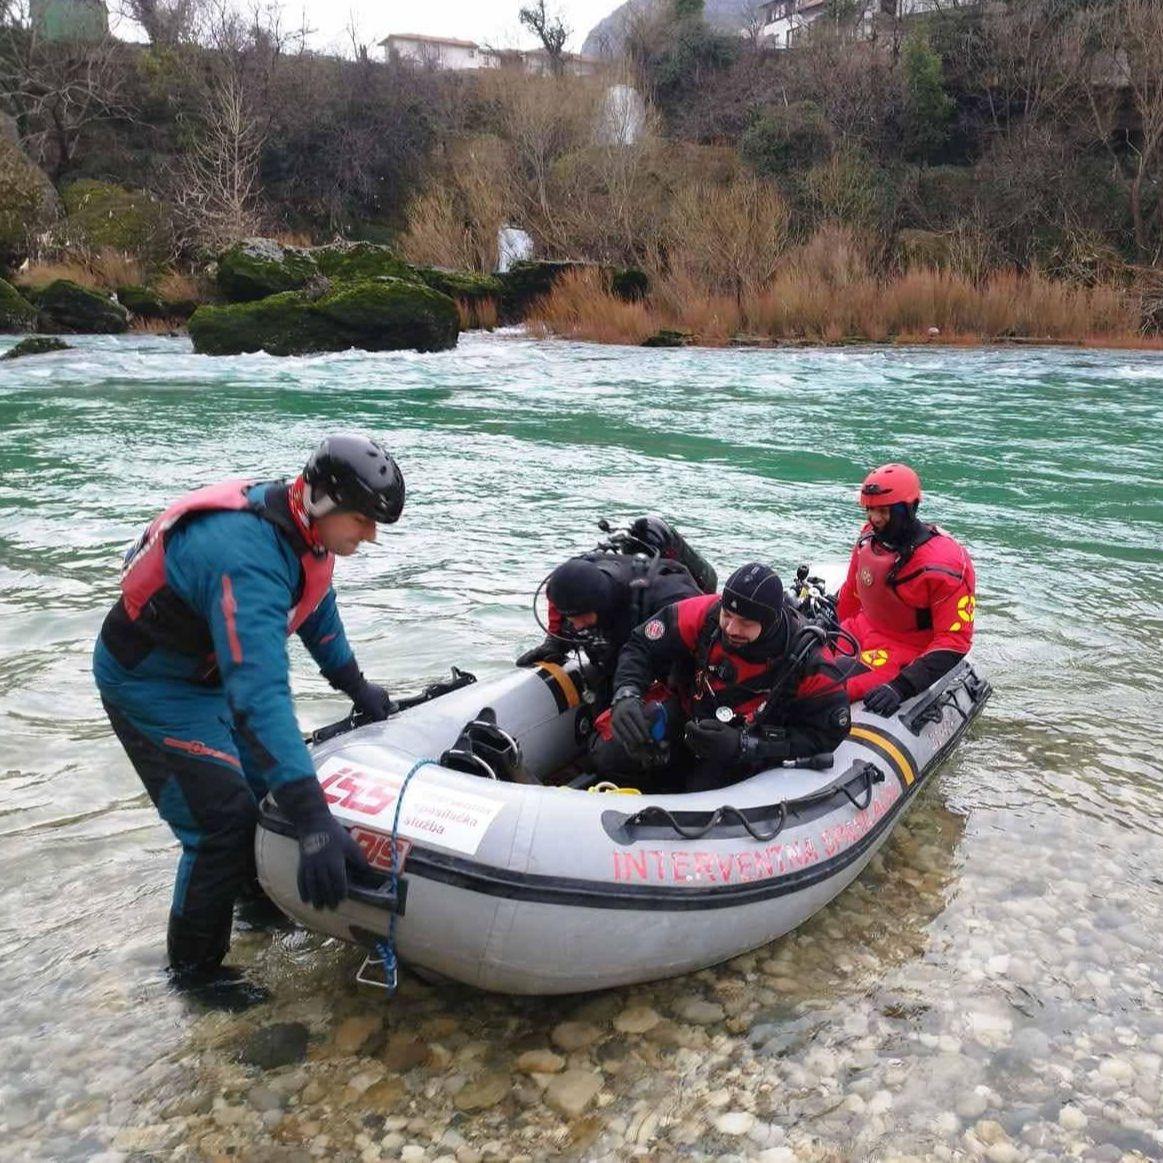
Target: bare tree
[[216, 190], [1125, 58], [56, 90], [550, 30], [166, 22]]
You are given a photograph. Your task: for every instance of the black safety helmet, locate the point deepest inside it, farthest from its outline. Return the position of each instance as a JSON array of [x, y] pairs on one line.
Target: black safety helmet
[[359, 475], [755, 592]]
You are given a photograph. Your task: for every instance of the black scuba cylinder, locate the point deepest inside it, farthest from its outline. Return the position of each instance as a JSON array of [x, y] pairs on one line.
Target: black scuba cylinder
[[660, 535]]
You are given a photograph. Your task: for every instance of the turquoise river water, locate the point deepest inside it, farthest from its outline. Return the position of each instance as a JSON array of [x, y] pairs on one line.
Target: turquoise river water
[[991, 988]]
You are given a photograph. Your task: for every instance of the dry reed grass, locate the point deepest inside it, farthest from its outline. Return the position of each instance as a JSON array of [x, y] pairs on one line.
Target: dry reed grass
[[155, 326], [104, 270], [178, 287], [114, 268], [477, 314], [579, 307], [293, 238], [840, 301], [40, 274]]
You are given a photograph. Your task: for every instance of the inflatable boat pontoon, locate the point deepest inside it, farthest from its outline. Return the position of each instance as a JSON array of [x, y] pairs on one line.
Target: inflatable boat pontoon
[[530, 888]]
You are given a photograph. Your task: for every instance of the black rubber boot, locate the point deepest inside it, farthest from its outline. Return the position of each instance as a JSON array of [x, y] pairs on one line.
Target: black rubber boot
[[255, 912], [217, 987], [196, 951]]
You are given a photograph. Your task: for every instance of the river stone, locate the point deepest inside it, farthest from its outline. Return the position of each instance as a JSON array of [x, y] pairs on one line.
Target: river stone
[[483, 1092], [570, 1093], [699, 1012], [352, 1033], [278, 1045], [16, 312], [1003, 1152], [36, 345], [972, 1105], [735, 1123], [377, 315], [636, 1020], [1030, 1044], [262, 1098], [257, 267], [1070, 1118], [67, 306], [384, 1095], [1118, 1069], [990, 1131], [402, 1053], [575, 1035], [539, 1062]]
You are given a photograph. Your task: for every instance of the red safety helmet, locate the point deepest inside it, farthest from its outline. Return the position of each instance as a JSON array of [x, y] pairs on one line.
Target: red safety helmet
[[888, 484]]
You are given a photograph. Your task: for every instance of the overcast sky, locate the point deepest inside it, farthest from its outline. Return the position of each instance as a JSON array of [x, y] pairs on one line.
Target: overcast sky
[[491, 21]]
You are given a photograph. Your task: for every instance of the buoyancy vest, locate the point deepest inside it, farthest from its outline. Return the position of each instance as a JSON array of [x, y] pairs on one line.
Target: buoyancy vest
[[154, 609], [880, 572]]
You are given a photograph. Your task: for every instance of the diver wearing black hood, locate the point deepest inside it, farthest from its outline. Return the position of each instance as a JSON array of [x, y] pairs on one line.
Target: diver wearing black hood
[[595, 600], [742, 656]]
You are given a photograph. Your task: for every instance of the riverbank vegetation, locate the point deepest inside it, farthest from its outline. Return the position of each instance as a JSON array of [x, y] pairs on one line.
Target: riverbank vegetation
[[987, 170]]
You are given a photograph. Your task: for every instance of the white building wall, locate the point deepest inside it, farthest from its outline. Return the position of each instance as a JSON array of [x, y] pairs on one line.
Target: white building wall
[[437, 54]]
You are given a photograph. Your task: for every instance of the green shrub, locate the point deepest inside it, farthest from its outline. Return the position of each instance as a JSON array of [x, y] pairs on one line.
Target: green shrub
[[100, 215], [28, 204], [785, 138]]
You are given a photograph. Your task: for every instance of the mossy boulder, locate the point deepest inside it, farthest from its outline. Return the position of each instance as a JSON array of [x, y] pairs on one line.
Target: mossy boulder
[[469, 286], [36, 345], [668, 337], [28, 204], [102, 216], [258, 267], [376, 315], [67, 306], [143, 302], [529, 280], [16, 312], [356, 261]]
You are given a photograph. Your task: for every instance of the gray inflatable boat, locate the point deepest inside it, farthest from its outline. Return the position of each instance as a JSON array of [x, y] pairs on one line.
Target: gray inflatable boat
[[543, 887]]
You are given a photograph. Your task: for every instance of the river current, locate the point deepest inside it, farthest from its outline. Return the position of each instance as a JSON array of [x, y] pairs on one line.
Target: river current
[[992, 987]]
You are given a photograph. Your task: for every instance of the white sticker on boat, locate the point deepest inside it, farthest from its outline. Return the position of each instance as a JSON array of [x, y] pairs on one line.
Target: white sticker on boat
[[439, 815]]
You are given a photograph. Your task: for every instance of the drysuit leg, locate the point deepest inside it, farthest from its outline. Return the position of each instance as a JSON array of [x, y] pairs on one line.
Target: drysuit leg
[[194, 778]]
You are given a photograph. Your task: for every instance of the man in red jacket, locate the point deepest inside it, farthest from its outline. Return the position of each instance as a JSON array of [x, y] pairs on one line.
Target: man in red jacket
[[908, 599], [745, 656]]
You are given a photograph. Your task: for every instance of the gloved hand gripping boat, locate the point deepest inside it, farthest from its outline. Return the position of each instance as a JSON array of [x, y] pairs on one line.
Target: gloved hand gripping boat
[[511, 883]]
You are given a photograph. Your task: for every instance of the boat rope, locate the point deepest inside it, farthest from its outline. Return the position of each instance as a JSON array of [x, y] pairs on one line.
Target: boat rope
[[386, 949], [659, 815]]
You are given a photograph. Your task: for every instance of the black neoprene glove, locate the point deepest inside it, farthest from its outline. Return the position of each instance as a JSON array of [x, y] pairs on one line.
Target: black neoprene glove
[[372, 701], [710, 739], [883, 700], [548, 650], [628, 720], [326, 848]]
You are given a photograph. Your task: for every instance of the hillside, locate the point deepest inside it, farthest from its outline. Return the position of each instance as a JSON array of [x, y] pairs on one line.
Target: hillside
[[605, 38]]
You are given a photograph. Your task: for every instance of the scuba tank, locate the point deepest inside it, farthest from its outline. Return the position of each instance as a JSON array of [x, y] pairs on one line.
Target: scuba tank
[[654, 535]]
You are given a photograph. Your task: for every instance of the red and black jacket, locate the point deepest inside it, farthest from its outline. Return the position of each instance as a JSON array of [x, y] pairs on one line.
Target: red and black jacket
[[804, 698]]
